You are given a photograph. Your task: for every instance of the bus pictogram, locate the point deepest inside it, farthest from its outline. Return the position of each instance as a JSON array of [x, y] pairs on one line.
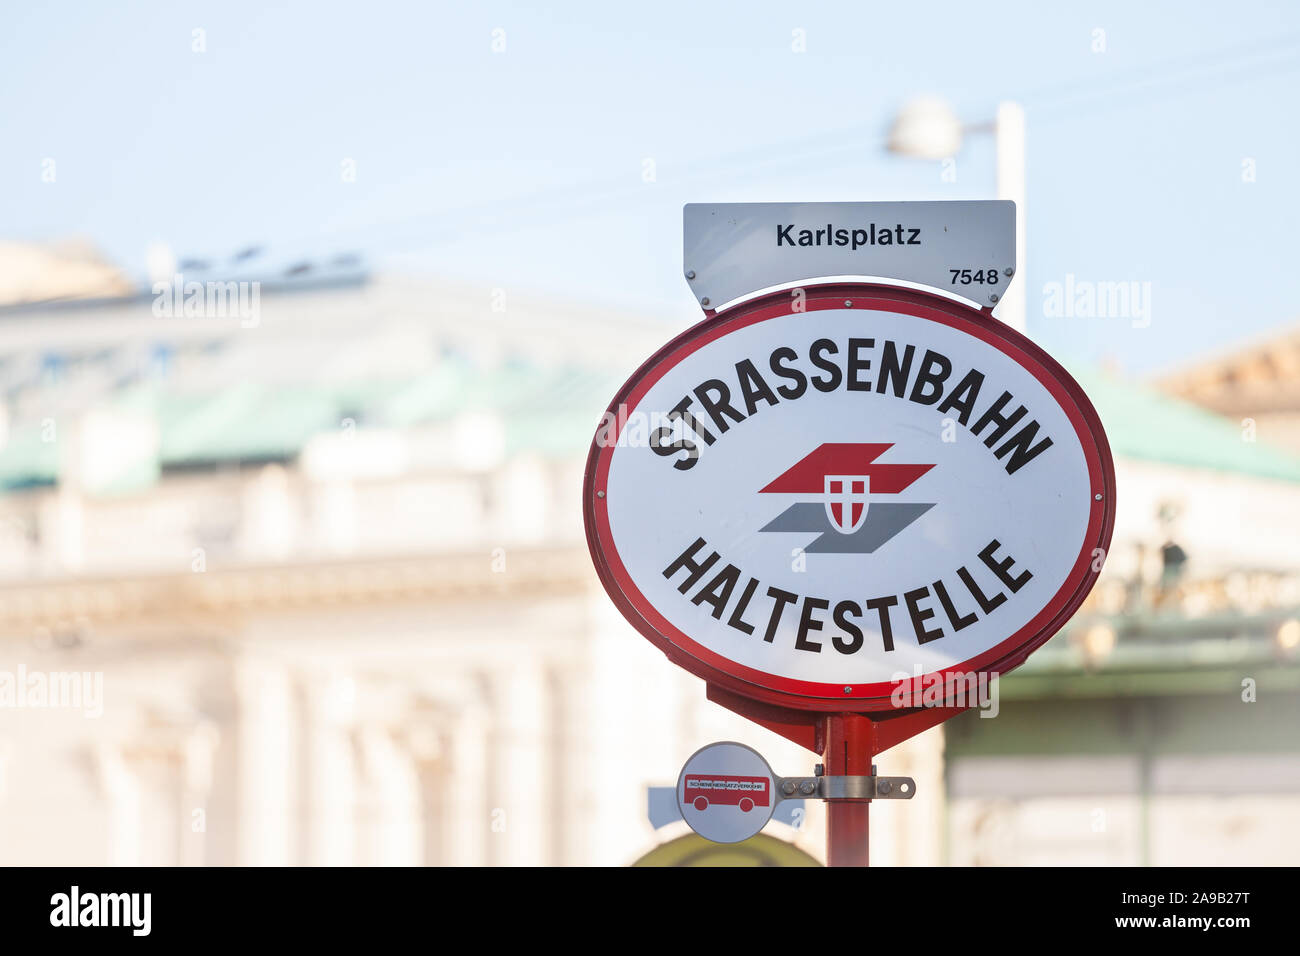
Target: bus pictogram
[[727, 790]]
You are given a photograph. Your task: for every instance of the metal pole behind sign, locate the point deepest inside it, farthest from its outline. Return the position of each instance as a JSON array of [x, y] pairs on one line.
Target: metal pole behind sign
[[848, 754], [1010, 134]]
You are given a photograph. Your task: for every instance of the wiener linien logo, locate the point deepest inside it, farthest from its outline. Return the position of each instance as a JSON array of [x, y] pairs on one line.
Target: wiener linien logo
[[847, 492]]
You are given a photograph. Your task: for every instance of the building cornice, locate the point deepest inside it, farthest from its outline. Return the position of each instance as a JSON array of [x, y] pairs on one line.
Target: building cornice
[[280, 587]]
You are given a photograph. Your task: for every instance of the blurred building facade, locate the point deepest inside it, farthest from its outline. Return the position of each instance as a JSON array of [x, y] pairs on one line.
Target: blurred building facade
[[330, 564], [1159, 727], [328, 561], [1257, 385]]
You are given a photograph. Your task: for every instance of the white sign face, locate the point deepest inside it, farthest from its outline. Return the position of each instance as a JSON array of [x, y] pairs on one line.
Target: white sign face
[[967, 248], [726, 792], [826, 503]]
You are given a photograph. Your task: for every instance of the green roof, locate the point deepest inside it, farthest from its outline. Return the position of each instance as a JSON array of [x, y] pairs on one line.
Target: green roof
[[245, 422], [553, 411], [1144, 424], [27, 460]]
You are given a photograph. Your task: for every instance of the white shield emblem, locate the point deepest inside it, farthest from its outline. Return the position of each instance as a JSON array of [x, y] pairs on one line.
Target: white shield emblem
[[846, 501]]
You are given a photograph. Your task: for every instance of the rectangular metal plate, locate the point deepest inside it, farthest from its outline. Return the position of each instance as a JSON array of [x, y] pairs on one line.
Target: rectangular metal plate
[[845, 788], [967, 248]]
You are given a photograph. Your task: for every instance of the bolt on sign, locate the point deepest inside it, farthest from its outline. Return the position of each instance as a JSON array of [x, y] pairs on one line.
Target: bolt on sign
[[823, 495]]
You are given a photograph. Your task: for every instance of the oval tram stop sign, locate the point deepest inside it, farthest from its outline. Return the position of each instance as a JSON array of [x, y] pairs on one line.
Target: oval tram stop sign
[[822, 497]]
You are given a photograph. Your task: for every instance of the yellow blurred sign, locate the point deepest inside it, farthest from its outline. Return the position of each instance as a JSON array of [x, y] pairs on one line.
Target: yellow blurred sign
[[693, 850]]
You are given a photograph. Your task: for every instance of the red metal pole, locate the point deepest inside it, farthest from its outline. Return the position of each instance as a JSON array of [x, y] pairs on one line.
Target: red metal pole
[[848, 753]]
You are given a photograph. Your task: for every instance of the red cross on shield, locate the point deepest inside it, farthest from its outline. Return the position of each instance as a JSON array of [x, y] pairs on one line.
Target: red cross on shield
[[846, 501]]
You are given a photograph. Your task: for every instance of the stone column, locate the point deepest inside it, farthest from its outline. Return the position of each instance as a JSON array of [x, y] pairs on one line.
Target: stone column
[[388, 808], [520, 803], [327, 770], [466, 825], [121, 791], [426, 741]]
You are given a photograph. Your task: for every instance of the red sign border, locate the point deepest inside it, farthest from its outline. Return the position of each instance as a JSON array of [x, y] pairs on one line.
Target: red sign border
[[813, 696]]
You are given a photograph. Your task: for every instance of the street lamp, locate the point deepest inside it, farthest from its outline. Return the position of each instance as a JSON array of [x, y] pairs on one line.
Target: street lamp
[[1288, 635], [927, 128], [1098, 642]]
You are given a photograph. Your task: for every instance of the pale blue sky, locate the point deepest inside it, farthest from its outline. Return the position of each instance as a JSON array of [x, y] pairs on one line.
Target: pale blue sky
[[523, 169]]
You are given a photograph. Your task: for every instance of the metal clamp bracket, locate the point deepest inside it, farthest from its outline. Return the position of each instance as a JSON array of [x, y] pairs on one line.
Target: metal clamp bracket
[[845, 788]]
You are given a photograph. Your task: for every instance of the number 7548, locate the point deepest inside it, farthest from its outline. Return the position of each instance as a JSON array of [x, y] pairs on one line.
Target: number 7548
[[981, 276]]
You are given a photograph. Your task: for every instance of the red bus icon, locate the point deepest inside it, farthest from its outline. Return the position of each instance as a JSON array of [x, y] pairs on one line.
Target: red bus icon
[[727, 790]]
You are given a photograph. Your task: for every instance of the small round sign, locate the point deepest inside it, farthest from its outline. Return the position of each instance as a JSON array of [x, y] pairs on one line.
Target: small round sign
[[827, 497], [726, 792]]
